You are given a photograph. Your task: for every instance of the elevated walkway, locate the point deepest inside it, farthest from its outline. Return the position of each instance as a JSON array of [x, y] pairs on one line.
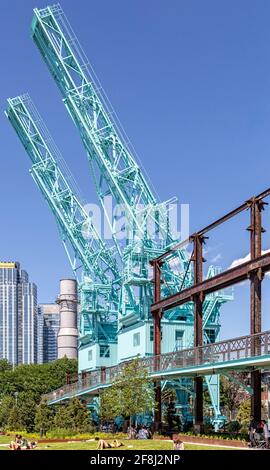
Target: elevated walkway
[[245, 353]]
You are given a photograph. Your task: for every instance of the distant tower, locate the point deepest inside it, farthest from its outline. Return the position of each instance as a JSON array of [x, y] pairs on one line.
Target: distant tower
[[18, 312], [68, 332]]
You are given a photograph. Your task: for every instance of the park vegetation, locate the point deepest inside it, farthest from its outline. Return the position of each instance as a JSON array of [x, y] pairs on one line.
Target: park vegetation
[[130, 397], [21, 404]]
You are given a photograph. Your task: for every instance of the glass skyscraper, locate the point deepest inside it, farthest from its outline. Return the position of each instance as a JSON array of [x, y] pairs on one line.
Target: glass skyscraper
[[48, 319], [18, 315]]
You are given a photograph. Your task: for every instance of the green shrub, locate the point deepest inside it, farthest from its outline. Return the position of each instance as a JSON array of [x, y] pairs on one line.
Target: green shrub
[[233, 427], [67, 434], [224, 436]]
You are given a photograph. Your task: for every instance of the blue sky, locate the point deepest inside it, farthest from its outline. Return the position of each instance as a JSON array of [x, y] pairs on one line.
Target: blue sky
[[190, 81]]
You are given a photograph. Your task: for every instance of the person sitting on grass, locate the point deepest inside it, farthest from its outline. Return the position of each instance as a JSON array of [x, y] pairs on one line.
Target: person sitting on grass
[[25, 445], [178, 445], [17, 443], [33, 444], [143, 433], [131, 432]]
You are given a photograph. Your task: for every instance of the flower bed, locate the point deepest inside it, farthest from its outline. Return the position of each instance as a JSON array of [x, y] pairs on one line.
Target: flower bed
[[212, 440]]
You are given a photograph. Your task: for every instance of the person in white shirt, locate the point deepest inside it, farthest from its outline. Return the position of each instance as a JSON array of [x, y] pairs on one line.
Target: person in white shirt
[[178, 445]]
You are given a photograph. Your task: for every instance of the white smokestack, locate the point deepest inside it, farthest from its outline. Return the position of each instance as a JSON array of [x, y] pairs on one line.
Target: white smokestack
[[68, 333]]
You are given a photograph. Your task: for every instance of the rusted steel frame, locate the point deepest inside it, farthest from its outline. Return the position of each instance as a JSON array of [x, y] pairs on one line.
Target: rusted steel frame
[[198, 297], [217, 222], [157, 316], [198, 327], [256, 230], [220, 281]]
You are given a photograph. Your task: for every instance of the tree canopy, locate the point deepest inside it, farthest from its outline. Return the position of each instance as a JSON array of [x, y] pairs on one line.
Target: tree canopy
[[130, 394], [21, 389]]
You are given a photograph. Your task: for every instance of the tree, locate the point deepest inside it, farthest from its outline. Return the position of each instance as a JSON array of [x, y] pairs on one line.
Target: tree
[[73, 416], [232, 394], [14, 422], [80, 415], [29, 382], [27, 406], [63, 419], [43, 418], [244, 411], [170, 417], [36, 379], [6, 404], [130, 394], [5, 365]]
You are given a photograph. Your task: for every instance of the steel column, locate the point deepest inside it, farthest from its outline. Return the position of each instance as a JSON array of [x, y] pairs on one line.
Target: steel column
[[198, 329], [255, 299], [157, 316]]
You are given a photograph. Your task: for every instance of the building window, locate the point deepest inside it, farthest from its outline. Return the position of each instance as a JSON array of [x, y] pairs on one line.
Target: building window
[[179, 334], [136, 339], [211, 335], [152, 333], [90, 355], [104, 350]]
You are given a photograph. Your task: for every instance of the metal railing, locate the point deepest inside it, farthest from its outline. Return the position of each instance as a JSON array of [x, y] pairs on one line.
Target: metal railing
[[229, 351]]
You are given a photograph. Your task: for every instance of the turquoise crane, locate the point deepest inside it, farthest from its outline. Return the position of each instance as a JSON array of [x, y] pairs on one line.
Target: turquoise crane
[[101, 284], [114, 170], [117, 174]]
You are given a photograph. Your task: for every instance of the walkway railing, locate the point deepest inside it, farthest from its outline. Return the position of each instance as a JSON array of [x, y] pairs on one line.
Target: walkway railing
[[225, 352]]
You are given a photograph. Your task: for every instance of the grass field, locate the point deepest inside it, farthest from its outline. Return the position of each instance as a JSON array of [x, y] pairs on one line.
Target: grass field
[[128, 445]]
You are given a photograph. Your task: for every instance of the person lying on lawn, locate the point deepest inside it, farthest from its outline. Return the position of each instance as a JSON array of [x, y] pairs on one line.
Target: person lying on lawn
[[102, 444]]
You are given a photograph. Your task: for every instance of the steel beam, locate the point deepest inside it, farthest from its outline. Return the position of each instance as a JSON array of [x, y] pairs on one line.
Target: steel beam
[[216, 223], [220, 281]]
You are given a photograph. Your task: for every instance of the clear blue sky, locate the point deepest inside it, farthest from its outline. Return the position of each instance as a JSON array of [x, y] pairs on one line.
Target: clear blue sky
[[190, 81]]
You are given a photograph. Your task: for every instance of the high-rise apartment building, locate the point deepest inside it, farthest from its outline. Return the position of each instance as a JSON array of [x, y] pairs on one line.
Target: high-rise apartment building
[[18, 315], [48, 327]]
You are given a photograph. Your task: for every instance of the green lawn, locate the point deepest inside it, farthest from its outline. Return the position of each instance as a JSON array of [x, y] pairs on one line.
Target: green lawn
[[128, 445]]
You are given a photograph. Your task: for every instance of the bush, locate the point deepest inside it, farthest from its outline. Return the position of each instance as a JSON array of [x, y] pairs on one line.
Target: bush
[[208, 428], [67, 434], [244, 426], [225, 436], [233, 427]]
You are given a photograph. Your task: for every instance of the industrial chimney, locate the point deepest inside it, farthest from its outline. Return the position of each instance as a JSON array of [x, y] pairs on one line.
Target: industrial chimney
[[68, 332]]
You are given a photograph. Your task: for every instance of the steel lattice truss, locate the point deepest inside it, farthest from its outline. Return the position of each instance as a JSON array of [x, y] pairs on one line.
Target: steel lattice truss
[[74, 223]]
